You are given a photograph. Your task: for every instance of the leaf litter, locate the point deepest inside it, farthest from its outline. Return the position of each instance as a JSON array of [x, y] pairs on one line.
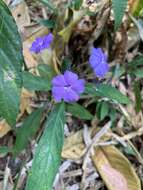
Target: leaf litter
[[90, 158]]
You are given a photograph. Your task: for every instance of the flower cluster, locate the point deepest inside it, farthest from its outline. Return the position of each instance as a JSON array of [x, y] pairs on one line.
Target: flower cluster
[[41, 43], [67, 87], [98, 61]]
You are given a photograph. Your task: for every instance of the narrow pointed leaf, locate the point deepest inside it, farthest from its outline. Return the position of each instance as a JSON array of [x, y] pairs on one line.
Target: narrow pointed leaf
[[48, 153], [27, 130], [119, 7]]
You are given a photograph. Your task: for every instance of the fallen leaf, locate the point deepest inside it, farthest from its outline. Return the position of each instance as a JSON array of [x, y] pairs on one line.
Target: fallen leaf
[[4, 128], [115, 169], [25, 102], [74, 147], [21, 15]]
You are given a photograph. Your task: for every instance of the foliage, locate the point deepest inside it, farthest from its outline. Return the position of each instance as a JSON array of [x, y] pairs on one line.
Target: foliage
[[119, 8], [11, 61], [75, 82]]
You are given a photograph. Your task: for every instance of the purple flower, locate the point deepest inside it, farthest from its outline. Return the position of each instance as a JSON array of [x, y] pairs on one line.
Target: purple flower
[[67, 87], [98, 61], [42, 43]]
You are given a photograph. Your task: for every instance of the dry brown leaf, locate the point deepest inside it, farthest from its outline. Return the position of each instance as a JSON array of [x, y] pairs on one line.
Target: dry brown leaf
[[74, 147], [115, 169], [21, 15], [4, 128], [29, 58], [113, 166], [133, 4], [25, 102]]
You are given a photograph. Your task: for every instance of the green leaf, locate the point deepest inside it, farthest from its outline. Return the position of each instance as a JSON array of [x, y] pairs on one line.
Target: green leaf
[[104, 110], [119, 7], [136, 8], [79, 111], [11, 62], [76, 4], [32, 82], [46, 71], [138, 98], [27, 130], [66, 64], [105, 90], [112, 93], [112, 115], [4, 150], [138, 73], [48, 153], [137, 61], [90, 89], [49, 5], [48, 23]]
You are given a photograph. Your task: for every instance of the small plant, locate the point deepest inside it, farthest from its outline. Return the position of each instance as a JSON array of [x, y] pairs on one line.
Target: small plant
[[68, 87]]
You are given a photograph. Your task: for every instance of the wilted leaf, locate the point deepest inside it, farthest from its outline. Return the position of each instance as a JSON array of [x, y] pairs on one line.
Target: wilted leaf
[[4, 128], [74, 147], [25, 101], [115, 169], [21, 15]]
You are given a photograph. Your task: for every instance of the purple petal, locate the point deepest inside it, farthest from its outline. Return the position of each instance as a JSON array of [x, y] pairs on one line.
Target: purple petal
[[101, 70], [79, 86], [70, 77], [58, 93], [70, 95], [59, 81], [47, 40], [41, 43], [97, 57], [96, 51], [94, 60]]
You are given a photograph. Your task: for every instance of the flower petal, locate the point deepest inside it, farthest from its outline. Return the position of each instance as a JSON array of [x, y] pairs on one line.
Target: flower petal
[[59, 81], [101, 70], [58, 93], [70, 95], [79, 86], [41, 43], [70, 77], [94, 60]]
